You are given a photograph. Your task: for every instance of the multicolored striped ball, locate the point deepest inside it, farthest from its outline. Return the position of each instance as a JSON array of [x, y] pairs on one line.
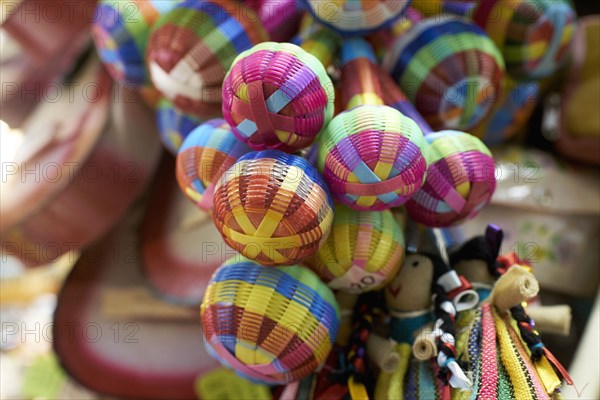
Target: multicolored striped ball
[[120, 31], [273, 207], [277, 96], [191, 48], [511, 112], [372, 157], [534, 36], [174, 125], [460, 180], [449, 69], [273, 325], [364, 251], [208, 151], [353, 17]]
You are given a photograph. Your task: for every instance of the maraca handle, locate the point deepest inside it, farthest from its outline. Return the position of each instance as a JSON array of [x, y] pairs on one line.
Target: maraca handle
[[360, 83], [394, 97]]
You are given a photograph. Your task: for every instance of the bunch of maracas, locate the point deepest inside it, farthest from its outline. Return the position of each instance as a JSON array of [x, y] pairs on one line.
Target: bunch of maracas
[[300, 126]]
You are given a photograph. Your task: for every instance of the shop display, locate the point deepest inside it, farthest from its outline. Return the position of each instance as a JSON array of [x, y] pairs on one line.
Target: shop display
[[324, 219]]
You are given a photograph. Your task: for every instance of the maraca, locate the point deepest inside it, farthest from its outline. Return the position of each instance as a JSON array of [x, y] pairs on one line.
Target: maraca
[[460, 178], [273, 325], [278, 95], [449, 69], [511, 112], [351, 17], [534, 36], [173, 125], [121, 30], [372, 156], [363, 252], [208, 151], [273, 207], [191, 48]]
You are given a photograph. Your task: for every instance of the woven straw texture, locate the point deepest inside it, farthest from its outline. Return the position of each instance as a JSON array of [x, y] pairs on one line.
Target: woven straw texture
[[510, 113], [274, 325], [353, 17], [192, 47], [173, 125], [120, 31], [208, 151], [363, 252], [273, 208], [372, 157], [449, 69], [460, 180], [534, 36], [277, 96]]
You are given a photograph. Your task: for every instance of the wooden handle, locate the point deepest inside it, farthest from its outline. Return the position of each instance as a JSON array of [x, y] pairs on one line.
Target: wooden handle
[[552, 319]]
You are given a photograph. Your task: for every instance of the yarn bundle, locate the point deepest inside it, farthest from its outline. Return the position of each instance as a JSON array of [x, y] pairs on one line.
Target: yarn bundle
[[306, 153]]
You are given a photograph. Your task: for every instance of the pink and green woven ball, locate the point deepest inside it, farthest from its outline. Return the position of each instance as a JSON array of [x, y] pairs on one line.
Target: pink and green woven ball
[[450, 70], [121, 30], [372, 157], [460, 180], [273, 208], [364, 251], [208, 151], [271, 325], [277, 96], [174, 125], [191, 48], [352, 17]]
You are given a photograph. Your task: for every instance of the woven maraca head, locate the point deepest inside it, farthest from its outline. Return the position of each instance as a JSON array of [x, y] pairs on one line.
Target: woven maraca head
[[511, 112], [372, 157], [273, 325], [351, 17], [120, 31], [208, 151], [363, 252], [191, 48], [460, 180], [277, 96], [173, 125], [449, 69], [534, 36], [273, 207]]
